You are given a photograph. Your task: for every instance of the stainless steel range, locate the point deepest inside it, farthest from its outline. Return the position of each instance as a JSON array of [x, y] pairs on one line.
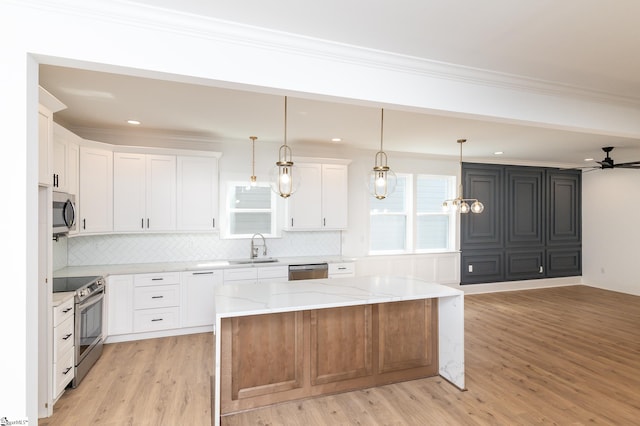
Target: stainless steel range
[[89, 306]]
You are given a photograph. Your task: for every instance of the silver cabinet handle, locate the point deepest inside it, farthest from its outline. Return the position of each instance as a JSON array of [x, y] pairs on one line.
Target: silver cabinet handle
[[202, 273]]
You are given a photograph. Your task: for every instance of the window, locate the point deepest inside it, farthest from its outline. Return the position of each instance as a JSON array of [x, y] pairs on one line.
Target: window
[[251, 210], [411, 219]]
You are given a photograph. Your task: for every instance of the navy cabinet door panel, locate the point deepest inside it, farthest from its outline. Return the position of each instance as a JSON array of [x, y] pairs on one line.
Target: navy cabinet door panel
[[484, 230], [524, 207]]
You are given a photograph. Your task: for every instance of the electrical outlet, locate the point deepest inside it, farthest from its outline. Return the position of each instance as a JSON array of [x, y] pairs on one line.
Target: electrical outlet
[[470, 268]]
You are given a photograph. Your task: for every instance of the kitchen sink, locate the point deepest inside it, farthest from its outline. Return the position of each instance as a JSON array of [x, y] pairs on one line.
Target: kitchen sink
[[252, 261]]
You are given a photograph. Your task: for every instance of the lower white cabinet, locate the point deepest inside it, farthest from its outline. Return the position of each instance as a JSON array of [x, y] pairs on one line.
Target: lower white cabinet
[[119, 304], [198, 297], [256, 275], [342, 269], [156, 319], [63, 346], [156, 301]]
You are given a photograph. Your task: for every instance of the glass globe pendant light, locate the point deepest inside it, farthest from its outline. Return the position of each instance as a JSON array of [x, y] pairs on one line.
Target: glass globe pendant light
[[460, 204], [382, 180], [284, 177]]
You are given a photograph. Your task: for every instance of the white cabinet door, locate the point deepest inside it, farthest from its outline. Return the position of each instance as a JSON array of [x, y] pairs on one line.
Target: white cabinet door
[[60, 160], [198, 297], [334, 196], [197, 193], [96, 190], [161, 192], [119, 304], [129, 192], [304, 206], [45, 139], [143, 192]]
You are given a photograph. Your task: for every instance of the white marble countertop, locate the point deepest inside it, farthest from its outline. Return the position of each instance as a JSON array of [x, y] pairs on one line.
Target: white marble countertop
[[59, 298], [142, 268], [288, 296]]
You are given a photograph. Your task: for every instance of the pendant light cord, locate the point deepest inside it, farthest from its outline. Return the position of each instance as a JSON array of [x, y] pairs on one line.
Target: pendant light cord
[[381, 127]]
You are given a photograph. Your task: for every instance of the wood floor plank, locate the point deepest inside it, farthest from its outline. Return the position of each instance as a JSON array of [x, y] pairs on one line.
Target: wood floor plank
[[567, 355]]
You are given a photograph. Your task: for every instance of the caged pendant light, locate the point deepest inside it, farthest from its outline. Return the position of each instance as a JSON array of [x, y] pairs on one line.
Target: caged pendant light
[[382, 180], [284, 177], [459, 203]]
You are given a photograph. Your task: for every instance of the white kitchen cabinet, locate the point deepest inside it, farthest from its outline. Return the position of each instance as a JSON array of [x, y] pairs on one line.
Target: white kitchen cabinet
[[256, 275], [96, 190], [119, 304], [197, 193], [45, 142], [198, 307], [270, 274], [156, 301], [342, 269], [63, 346], [320, 203], [144, 192], [66, 153]]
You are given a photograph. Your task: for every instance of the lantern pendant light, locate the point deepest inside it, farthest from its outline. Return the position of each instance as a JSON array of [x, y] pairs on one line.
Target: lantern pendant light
[[253, 178], [459, 203], [382, 180], [284, 182]]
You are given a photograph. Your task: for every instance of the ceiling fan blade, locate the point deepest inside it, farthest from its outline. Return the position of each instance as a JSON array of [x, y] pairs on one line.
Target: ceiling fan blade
[[629, 164]]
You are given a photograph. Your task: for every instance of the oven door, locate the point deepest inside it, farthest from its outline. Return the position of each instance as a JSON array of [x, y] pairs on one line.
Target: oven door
[[88, 324]]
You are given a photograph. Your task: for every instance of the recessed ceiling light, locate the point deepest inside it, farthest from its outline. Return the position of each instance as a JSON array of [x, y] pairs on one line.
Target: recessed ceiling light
[[134, 122], [498, 153], [588, 159], [336, 139]]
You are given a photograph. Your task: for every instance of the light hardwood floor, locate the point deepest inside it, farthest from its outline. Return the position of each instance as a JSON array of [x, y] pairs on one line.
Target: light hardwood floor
[[567, 356]]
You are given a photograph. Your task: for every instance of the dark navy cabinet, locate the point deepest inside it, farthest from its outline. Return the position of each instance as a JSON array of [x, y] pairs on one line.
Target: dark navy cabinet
[[530, 227]]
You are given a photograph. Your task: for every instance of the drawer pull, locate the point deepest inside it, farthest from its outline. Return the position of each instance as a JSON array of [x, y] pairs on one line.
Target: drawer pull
[[157, 297], [67, 370], [156, 319], [67, 336], [342, 268], [202, 273], [157, 279], [64, 311]]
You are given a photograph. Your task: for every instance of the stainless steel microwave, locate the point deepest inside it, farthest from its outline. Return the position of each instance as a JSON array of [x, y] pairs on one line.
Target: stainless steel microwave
[[64, 213]]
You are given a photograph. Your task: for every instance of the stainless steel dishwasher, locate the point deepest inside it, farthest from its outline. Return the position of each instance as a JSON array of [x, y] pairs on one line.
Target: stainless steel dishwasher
[[310, 271]]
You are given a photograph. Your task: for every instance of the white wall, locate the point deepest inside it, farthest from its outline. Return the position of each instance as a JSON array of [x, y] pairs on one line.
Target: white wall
[[122, 37], [611, 229]]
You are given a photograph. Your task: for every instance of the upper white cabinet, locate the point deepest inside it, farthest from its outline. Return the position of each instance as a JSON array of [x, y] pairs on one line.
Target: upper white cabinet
[[144, 192], [48, 104], [320, 203], [66, 155], [45, 137], [96, 190], [197, 193]]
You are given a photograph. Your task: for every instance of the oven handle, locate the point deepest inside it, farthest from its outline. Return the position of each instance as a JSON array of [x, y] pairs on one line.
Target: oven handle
[[91, 300]]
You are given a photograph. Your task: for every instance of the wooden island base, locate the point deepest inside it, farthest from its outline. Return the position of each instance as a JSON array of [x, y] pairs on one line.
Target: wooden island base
[[277, 357]]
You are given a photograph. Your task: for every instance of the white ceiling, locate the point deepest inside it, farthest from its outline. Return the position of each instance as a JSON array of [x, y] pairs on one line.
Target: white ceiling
[[590, 44]]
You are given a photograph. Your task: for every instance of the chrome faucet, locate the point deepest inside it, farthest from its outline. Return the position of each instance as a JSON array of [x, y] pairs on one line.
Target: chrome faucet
[[254, 248]]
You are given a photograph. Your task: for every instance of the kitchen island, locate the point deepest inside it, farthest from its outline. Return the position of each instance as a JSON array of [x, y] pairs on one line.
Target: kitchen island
[[291, 340]]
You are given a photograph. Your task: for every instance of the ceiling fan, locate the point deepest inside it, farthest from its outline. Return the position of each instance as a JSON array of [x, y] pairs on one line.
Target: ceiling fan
[[608, 162]]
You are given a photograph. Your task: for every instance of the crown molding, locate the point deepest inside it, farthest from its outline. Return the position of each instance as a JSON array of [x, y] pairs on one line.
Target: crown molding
[[167, 20]]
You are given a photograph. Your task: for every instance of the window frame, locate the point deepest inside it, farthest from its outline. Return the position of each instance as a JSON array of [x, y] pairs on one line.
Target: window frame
[[230, 190], [411, 236]]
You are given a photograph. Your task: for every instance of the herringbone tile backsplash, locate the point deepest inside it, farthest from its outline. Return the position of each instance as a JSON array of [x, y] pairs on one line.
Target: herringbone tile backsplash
[[152, 248]]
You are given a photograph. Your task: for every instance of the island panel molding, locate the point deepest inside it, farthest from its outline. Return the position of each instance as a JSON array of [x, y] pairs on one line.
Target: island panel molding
[[350, 333]]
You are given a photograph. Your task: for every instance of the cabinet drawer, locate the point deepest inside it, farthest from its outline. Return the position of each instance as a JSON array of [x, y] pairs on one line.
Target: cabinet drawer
[[156, 319], [160, 296], [62, 312], [63, 338], [63, 372], [240, 274], [341, 268], [274, 272], [163, 278]]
